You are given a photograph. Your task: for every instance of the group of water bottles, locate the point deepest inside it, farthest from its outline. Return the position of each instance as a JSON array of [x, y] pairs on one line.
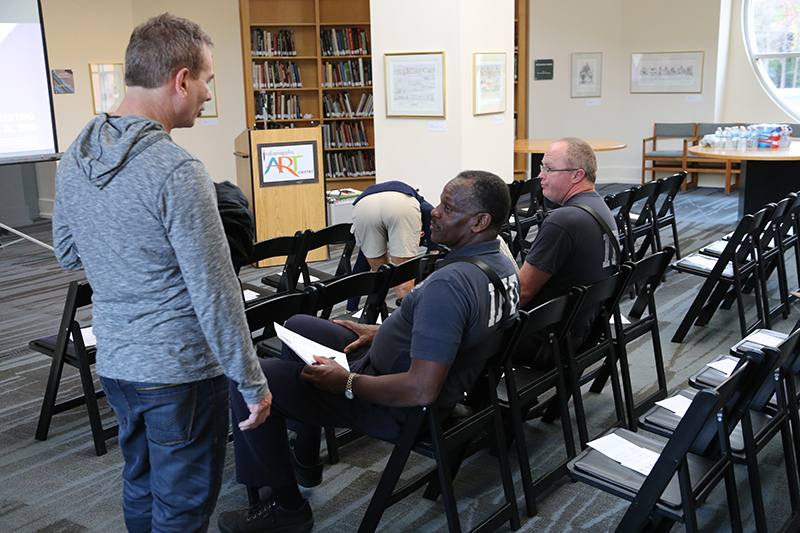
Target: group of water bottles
[[750, 137]]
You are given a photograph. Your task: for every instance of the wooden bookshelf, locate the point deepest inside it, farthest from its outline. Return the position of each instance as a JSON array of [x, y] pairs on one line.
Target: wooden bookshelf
[[305, 21], [520, 82]]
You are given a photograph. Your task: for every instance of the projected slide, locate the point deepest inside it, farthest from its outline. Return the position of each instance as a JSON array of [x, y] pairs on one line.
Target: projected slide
[[26, 127]]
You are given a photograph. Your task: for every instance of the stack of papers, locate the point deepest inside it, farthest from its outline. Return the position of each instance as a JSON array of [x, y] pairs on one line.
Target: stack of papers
[[88, 337], [626, 453], [678, 404], [759, 337]]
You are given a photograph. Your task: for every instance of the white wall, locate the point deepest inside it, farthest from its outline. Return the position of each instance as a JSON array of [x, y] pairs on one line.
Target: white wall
[[94, 31], [617, 28], [405, 148]]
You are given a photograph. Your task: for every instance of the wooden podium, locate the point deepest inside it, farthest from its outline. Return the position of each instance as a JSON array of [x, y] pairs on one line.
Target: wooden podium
[[280, 173]]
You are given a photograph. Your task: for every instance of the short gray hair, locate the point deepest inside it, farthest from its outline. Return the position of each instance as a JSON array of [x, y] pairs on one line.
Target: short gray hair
[[160, 47], [580, 155]]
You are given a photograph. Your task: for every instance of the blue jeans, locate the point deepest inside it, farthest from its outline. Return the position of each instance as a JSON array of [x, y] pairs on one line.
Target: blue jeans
[[173, 439]]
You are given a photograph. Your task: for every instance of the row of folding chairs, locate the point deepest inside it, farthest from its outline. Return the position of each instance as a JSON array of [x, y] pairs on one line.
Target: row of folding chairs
[[742, 263], [601, 357], [641, 212], [738, 403]]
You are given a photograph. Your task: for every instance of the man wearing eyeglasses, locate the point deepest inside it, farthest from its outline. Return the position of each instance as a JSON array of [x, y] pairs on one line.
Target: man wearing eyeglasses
[[571, 248]]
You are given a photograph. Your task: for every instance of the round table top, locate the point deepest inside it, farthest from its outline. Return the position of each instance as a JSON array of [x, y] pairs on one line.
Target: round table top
[[538, 146], [792, 152]]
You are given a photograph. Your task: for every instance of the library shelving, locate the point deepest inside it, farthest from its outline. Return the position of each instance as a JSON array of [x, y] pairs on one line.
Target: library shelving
[[307, 63]]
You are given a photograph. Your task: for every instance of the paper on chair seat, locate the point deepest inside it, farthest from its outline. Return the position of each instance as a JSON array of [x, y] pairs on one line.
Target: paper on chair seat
[[88, 337], [250, 295], [678, 404], [724, 365], [705, 263], [625, 453], [360, 312], [762, 338], [306, 349]]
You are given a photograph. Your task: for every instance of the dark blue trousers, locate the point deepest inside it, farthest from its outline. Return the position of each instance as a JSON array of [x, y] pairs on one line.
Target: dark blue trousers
[[262, 454]]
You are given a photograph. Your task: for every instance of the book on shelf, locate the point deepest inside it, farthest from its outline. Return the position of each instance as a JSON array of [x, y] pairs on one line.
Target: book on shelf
[[348, 41], [265, 43]]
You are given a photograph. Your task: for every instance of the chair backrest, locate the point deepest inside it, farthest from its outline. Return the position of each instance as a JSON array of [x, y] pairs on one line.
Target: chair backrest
[[620, 205], [294, 247], [707, 128], [761, 219], [279, 308], [647, 274], [373, 285], [702, 414], [785, 357], [772, 229], [602, 298], [336, 234], [670, 187], [791, 222], [670, 129], [415, 269], [644, 203]]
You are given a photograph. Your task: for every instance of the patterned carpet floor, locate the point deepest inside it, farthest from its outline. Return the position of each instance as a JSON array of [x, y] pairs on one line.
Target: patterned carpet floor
[[59, 485]]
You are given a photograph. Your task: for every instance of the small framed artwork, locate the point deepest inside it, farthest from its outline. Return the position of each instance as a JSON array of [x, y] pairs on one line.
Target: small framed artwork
[[63, 81], [587, 75], [415, 84], [669, 72], [108, 86], [489, 91]]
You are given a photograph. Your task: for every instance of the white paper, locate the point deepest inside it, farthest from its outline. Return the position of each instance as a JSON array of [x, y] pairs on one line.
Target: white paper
[[764, 339], [306, 349], [624, 320], [724, 365], [88, 336], [678, 404], [250, 295], [625, 453]]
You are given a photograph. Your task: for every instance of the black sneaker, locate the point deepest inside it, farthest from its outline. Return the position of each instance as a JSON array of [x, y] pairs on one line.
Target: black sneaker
[[267, 517], [306, 476]]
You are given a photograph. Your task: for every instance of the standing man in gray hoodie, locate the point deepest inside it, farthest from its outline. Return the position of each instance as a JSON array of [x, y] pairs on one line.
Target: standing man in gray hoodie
[[139, 214]]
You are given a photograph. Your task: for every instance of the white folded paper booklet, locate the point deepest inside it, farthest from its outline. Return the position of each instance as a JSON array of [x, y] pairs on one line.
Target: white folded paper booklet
[[724, 365], [306, 349], [250, 295], [678, 404], [625, 453], [759, 337]]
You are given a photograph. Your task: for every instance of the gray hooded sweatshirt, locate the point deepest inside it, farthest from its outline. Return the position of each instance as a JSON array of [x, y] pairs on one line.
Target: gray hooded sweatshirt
[[139, 214]]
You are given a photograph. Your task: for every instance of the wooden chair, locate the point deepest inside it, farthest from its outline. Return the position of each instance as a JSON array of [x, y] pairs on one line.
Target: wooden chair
[[665, 210], [646, 275], [597, 348], [673, 159], [728, 272], [447, 439], [731, 168], [294, 248], [68, 346], [642, 216], [694, 460], [521, 388], [331, 235], [373, 285], [762, 422]]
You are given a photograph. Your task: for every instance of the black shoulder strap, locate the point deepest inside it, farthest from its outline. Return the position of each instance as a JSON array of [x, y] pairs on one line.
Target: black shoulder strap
[[491, 274], [611, 236]]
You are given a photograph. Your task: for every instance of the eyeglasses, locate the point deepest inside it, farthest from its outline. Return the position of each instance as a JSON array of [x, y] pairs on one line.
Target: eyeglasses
[[547, 170]]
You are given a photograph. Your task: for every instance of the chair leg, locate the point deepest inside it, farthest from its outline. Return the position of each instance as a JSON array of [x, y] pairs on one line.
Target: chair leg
[[91, 404], [694, 311], [330, 443], [50, 393]]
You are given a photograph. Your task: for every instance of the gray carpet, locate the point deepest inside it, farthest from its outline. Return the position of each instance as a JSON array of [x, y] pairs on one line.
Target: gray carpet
[[59, 485]]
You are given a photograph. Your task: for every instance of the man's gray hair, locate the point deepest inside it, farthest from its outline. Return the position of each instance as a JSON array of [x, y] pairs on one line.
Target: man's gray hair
[[160, 47], [580, 155]]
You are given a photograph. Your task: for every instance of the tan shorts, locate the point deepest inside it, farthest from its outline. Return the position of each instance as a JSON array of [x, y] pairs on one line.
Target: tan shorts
[[387, 221]]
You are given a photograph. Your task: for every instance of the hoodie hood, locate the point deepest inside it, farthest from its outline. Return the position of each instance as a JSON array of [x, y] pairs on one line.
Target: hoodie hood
[[108, 143]]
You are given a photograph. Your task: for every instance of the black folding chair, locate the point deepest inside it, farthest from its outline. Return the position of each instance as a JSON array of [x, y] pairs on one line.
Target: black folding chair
[[528, 209], [597, 347], [521, 388], [694, 460], [294, 248], [68, 346], [726, 273], [338, 234], [620, 205], [762, 422], [448, 440], [642, 218], [665, 211]]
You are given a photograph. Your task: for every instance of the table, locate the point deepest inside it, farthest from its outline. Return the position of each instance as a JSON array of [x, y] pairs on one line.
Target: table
[[537, 147], [767, 175]]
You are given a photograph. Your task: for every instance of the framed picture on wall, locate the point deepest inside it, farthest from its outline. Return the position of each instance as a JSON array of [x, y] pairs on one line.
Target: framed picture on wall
[[489, 83], [587, 75], [667, 72], [415, 84]]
